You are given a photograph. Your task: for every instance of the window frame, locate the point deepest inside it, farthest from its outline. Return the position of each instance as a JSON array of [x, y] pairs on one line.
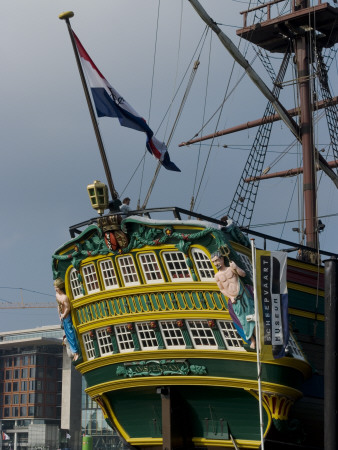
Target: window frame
[[104, 270], [175, 328], [89, 282], [88, 343], [74, 283], [237, 338], [138, 325], [170, 271], [144, 272], [104, 342], [196, 250], [120, 342], [193, 338], [128, 283]]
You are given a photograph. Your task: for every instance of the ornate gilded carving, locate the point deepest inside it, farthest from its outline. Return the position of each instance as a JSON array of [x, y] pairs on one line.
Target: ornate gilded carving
[[158, 368]]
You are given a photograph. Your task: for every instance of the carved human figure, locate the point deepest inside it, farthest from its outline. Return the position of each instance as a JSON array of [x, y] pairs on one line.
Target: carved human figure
[[230, 284], [65, 317]]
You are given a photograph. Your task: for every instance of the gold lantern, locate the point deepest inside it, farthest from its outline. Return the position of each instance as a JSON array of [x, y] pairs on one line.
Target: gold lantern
[[98, 194]]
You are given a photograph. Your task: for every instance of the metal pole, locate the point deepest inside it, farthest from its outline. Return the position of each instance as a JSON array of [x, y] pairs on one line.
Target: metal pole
[[258, 344], [66, 16], [330, 356]]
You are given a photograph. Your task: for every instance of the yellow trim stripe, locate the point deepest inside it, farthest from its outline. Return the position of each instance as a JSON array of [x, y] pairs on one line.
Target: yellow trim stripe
[[307, 314], [305, 289], [247, 385]]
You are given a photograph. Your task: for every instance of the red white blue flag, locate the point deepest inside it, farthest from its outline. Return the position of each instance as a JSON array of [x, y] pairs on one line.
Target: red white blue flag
[[272, 300], [109, 103]]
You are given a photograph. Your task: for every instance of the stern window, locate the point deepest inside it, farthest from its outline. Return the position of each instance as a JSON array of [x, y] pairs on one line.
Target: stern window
[[104, 341], [146, 336], [89, 346], [108, 274], [124, 339], [172, 335], [203, 264], [177, 266], [75, 284], [232, 339], [128, 270], [201, 334], [90, 278], [151, 270]]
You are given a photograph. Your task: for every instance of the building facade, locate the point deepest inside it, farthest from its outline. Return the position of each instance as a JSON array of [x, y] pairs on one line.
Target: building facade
[[42, 397]]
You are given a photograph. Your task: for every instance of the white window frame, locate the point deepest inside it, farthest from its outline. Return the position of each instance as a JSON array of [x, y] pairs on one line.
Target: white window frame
[[245, 264], [89, 346], [108, 274], [150, 264], [124, 339], [75, 285], [104, 342], [183, 266], [200, 259], [90, 278], [131, 264], [226, 326], [169, 327], [204, 332], [142, 329]]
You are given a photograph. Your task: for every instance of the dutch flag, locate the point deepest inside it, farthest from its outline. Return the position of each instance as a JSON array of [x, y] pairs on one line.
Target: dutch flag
[[109, 103]]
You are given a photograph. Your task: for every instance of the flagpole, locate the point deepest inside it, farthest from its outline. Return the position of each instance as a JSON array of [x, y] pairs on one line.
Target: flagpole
[[258, 343], [66, 16]]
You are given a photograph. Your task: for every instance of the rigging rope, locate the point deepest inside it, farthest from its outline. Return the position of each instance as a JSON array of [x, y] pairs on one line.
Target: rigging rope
[[151, 96], [242, 205], [179, 113], [331, 109], [172, 101], [192, 203]]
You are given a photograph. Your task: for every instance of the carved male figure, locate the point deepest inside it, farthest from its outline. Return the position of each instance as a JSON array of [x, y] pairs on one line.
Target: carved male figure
[[230, 284], [65, 317]]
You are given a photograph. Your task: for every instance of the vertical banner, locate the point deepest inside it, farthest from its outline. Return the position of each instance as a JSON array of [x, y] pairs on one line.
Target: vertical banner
[[272, 301]]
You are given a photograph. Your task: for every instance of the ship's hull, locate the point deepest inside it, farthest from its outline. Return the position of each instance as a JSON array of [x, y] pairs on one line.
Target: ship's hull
[[162, 357]]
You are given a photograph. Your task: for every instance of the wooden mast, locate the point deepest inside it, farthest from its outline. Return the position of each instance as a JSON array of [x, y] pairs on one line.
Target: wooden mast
[[306, 130], [274, 35]]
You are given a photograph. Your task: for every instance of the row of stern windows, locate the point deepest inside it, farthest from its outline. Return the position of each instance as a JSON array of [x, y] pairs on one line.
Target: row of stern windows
[[171, 335], [125, 271]]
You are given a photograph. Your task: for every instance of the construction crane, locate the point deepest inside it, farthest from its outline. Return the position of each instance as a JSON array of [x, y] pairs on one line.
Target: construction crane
[[21, 305]]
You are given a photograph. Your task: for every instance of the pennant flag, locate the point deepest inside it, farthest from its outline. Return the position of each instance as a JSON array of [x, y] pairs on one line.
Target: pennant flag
[[5, 436], [109, 103], [272, 300]]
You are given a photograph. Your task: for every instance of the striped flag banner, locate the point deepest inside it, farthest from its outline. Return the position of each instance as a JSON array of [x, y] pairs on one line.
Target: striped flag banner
[[109, 103], [272, 302]]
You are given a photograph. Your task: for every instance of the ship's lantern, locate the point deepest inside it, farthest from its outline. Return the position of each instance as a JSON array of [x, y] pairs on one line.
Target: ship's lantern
[[98, 194]]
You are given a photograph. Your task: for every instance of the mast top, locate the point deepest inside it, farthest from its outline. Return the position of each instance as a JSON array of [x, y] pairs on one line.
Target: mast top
[[66, 15]]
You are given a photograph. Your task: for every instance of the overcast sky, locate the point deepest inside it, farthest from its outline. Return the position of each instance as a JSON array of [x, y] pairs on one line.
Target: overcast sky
[[48, 148]]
